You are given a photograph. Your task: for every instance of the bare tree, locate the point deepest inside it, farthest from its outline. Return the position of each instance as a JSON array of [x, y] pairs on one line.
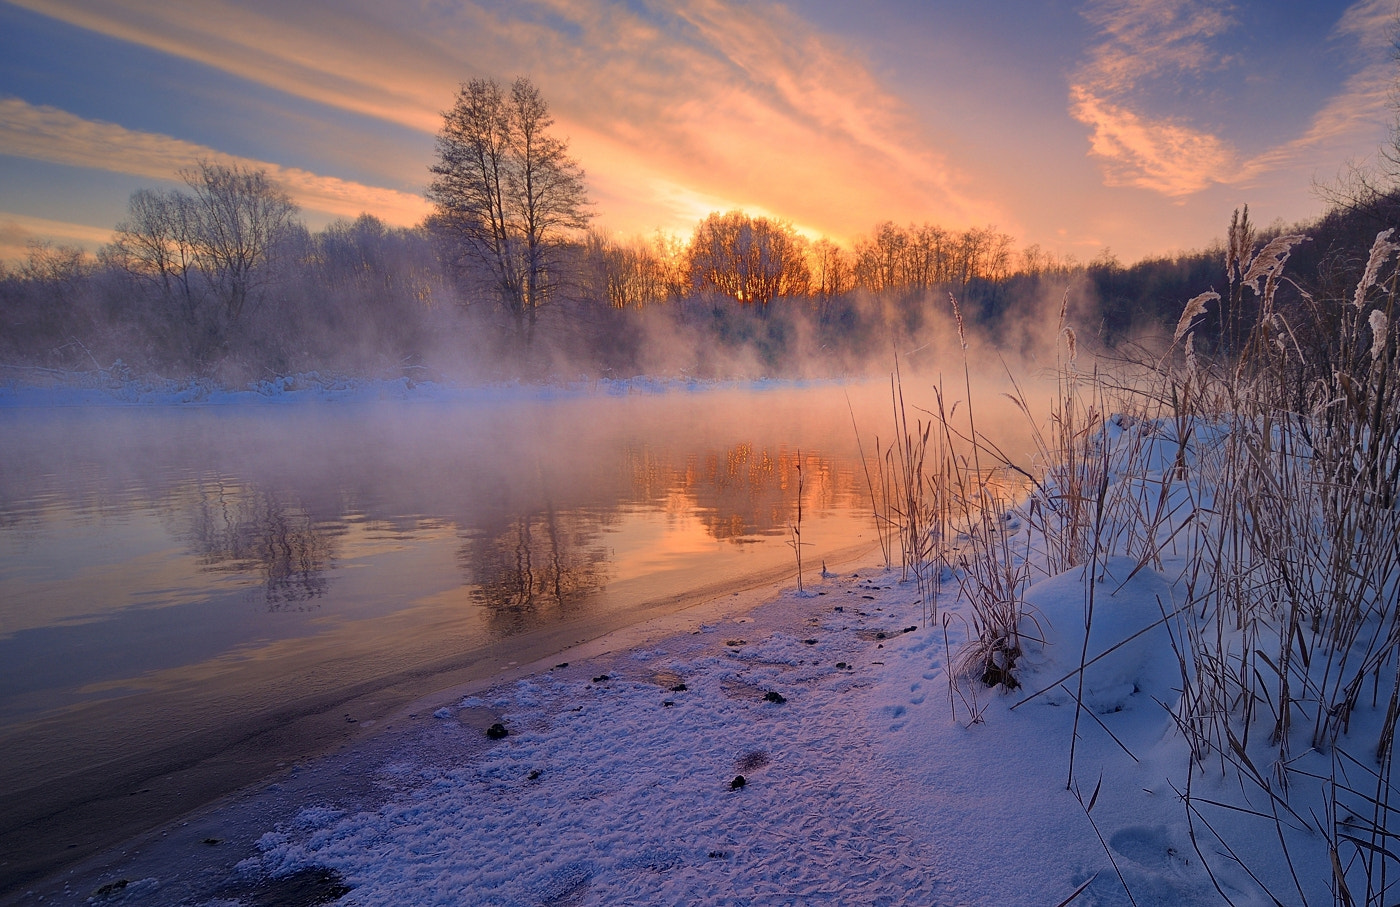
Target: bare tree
[[750, 259], [831, 269], [224, 233], [508, 196], [156, 244], [921, 258], [880, 259], [239, 216], [629, 274]]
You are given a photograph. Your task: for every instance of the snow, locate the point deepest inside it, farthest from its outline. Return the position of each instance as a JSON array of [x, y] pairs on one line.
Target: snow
[[1129, 647], [871, 777], [119, 387], [863, 786]]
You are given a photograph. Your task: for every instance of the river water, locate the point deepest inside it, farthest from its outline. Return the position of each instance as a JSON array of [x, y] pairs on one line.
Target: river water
[[192, 595]]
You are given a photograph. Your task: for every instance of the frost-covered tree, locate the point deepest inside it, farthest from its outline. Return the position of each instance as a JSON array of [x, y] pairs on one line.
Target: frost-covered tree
[[239, 216], [221, 236], [750, 259], [508, 196], [155, 244]]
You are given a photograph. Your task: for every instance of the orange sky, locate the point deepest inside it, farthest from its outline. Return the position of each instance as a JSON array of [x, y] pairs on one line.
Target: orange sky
[[1123, 124]]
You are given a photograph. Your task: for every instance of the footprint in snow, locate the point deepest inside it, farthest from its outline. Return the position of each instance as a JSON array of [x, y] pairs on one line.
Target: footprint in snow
[[1150, 848], [567, 886]]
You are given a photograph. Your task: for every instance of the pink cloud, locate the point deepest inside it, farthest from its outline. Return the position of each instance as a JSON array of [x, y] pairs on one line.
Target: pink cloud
[[1159, 155], [49, 134], [740, 102]]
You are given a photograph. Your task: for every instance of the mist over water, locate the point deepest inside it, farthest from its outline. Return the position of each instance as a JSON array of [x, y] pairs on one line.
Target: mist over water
[[123, 530], [121, 517], [176, 579]]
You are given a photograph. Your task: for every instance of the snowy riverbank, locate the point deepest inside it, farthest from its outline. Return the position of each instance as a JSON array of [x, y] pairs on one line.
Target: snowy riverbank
[[617, 782], [867, 777], [33, 387]]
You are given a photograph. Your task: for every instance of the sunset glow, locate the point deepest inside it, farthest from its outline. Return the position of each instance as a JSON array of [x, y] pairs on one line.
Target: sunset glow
[[1123, 124]]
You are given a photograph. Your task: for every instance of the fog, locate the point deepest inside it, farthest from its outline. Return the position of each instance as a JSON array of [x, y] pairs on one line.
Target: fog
[[362, 300]]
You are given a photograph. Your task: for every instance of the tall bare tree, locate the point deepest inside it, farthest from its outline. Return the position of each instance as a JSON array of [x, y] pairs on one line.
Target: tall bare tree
[[239, 216], [225, 231], [508, 195], [750, 259], [156, 243]]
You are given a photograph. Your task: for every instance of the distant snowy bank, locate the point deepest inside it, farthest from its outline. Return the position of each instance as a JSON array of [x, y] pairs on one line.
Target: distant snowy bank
[[31, 387]]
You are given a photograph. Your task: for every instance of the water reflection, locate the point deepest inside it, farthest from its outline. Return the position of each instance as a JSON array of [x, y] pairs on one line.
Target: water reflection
[[243, 528], [743, 491], [541, 565], [218, 531]]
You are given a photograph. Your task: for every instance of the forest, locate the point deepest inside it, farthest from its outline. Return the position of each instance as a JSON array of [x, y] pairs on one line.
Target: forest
[[508, 279]]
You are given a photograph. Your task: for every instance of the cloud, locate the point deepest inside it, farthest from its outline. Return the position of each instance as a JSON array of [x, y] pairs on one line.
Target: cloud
[[1345, 121], [48, 134], [697, 98], [1139, 41], [1371, 23], [18, 231], [326, 52], [1145, 43], [1162, 156], [1359, 112], [748, 102], [1146, 38]]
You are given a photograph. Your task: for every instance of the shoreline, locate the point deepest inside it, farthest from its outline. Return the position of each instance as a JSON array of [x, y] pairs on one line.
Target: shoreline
[[212, 790], [764, 747]]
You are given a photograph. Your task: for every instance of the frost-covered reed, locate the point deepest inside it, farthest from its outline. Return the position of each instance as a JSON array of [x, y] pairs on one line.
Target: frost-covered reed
[[1267, 473]]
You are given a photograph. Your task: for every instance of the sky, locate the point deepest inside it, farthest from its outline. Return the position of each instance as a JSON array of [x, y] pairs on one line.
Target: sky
[[1132, 127]]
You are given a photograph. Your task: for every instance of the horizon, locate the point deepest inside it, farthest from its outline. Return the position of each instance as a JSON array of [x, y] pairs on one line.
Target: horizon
[[1105, 127]]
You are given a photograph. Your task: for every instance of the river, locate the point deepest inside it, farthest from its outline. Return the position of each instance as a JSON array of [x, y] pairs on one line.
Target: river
[[193, 596]]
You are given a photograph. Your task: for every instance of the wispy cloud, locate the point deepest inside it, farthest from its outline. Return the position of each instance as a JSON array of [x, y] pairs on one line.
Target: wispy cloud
[[1351, 116], [1371, 23], [17, 231], [328, 52], [1142, 40], [48, 134], [1334, 131], [1166, 157], [699, 98]]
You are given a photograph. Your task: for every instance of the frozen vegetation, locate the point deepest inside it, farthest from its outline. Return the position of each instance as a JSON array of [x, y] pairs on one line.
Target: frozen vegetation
[[1166, 674]]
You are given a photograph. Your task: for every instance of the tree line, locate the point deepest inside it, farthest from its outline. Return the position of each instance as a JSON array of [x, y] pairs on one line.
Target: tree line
[[506, 277]]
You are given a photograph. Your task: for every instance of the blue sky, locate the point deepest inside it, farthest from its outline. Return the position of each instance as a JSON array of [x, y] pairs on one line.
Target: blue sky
[[1132, 125]]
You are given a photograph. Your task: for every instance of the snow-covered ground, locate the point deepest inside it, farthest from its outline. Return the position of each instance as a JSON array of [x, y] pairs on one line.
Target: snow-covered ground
[[809, 751], [863, 783], [46, 388], [861, 786]]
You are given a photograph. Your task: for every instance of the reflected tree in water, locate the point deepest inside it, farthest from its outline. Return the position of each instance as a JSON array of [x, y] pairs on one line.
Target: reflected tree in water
[[741, 492], [238, 529], [541, 565]]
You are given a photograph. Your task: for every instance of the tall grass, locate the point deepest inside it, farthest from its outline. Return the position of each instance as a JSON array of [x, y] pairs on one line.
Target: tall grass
[[1291, 534], [1270, 469], [939, 490], [795, 527], [1300, 564]]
